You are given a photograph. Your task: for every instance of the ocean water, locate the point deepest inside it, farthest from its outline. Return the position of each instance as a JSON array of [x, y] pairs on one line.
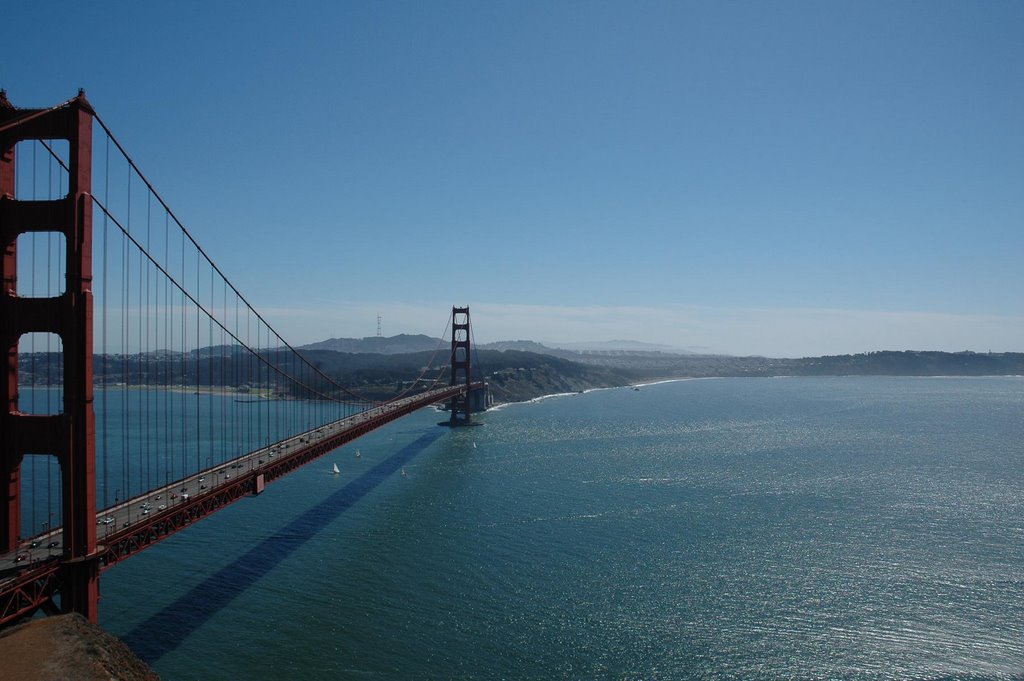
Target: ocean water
[[805, 528]]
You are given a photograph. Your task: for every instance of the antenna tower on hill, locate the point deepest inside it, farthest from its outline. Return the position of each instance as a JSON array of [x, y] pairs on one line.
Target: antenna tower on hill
[[378, 325]]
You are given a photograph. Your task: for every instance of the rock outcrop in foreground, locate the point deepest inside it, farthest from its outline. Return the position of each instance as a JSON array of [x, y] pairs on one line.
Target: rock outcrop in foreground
[[67, 647]]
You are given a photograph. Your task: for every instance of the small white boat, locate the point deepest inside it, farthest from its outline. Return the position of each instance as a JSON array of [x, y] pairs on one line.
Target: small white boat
[[358, 454], [336, 470], [403, 472], [474, 444]]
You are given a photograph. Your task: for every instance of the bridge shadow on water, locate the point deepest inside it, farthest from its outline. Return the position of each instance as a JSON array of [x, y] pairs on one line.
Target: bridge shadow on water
[[165, 630]]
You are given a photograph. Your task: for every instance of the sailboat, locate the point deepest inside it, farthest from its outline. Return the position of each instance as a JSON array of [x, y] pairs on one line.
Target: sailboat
[[474, 444], [336, 469], [358, 454]]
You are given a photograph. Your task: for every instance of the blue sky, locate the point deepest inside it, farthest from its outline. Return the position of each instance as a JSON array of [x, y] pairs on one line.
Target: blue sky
[[779, 178]]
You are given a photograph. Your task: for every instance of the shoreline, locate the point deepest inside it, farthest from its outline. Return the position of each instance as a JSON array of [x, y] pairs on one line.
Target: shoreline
[[661, 381], [657, 381]]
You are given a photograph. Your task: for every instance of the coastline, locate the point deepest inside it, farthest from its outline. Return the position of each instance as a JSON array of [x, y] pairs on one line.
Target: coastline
[[657, 381], [660, 381]]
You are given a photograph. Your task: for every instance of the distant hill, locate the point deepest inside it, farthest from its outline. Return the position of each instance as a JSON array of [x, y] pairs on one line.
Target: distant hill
[[521, 369], [621, 346], [913, 363], [380, 345], [517, 345], [881, 363]]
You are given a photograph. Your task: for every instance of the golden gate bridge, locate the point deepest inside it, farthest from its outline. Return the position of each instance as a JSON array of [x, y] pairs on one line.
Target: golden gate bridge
[[143, 392]]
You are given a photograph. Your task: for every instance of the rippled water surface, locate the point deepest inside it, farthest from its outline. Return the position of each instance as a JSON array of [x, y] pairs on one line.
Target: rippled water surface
[[862, 528]]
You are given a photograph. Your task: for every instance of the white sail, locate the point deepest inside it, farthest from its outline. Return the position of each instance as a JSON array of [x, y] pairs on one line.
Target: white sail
[[336, 469]]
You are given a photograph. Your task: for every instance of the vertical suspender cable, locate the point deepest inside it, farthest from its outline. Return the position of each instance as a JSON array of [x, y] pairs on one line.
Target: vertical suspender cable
[[223, 367], [168, 454], [198, 395], [125, 301], [236, 362], [103, 333], [184, 368], [148, 350], [252, 413], [209, 372]]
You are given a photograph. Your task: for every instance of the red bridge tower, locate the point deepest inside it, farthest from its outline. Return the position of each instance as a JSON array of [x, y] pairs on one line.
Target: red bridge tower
[[70, 435], [461, 366]]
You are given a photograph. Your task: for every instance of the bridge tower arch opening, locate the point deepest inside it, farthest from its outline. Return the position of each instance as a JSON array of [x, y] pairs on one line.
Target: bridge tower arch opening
[[69, 436]]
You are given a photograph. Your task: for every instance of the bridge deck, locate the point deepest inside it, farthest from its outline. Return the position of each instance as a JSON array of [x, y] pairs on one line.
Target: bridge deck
[[135, 524]]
